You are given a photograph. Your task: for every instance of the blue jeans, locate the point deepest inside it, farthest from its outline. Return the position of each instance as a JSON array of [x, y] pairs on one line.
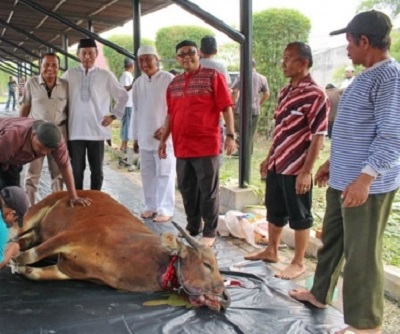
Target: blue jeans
[[10, 95]]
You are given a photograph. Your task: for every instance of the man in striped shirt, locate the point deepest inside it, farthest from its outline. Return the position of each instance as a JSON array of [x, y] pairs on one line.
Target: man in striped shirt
[[300, 126], [364, 175]]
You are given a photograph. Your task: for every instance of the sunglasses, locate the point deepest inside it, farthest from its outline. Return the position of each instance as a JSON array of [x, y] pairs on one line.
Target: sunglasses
[[190, 53]]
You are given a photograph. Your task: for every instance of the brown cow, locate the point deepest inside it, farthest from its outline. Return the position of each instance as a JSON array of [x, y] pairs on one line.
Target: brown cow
[[105, 243]]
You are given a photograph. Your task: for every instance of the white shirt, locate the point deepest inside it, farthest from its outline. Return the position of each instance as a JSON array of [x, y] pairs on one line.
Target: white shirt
[[126, 79], [216, 65], [89, 101], [150, 108]]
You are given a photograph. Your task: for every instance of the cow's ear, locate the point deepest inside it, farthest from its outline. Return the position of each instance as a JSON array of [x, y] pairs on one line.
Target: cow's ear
[[172, 245]]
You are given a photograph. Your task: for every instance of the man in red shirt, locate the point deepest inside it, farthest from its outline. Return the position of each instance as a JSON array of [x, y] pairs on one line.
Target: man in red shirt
[[195, 100]]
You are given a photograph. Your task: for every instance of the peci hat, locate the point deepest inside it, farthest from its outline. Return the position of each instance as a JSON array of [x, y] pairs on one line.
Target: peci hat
[[371, 23], [16, 199], [147, 50], [128, 62], [87, 43], [185, 42], [48, 134], [349, 68]]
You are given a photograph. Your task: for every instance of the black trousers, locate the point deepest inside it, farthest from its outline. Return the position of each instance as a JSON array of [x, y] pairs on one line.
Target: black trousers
[[198, 182], [78, 149], [11, 176]]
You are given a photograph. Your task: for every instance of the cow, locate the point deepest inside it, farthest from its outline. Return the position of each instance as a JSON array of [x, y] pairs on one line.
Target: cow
[[106, 243]]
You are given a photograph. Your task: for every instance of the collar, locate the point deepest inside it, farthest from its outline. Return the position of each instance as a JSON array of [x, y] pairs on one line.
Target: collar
[[170, 279], [195, 72], [84, 69], [42, 82]]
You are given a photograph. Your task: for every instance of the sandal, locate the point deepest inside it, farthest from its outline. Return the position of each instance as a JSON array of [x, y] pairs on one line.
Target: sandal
[[162, 219]]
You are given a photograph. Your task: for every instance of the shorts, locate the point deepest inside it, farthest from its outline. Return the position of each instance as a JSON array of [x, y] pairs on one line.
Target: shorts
[[284, 205]]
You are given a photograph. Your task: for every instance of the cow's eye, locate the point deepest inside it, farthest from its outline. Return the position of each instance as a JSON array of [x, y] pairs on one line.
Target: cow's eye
[[207, 265]]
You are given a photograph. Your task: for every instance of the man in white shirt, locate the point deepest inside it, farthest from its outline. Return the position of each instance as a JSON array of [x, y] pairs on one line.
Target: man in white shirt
[[150, 110], [349, 77], [126, 80], [90, 88]]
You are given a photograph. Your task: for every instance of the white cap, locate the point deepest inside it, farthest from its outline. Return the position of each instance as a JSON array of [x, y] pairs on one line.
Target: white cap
[[147, 50], [349, 68]]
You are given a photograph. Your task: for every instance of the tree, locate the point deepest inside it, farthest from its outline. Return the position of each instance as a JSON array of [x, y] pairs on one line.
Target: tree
[[273, 29], [392, 5], [168, 37], [229, 53], [114, 59]]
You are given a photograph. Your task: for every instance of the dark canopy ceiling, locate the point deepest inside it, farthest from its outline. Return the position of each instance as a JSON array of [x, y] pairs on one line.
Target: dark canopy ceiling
[[27, 30]]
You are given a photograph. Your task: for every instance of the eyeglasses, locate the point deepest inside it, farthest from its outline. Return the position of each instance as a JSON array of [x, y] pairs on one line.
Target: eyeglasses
[[290, 60], [190, 53]]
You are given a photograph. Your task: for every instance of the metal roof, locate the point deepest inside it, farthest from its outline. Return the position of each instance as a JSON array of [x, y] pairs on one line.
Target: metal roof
[[27, 28]]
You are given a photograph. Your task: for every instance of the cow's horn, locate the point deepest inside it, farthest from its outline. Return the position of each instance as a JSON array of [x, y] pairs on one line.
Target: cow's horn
[[192, 241]]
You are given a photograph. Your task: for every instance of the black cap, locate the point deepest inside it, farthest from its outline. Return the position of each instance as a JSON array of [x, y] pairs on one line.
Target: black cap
[[16, 199], [371, 23], [186, 42], [48, 134], [87, 43]]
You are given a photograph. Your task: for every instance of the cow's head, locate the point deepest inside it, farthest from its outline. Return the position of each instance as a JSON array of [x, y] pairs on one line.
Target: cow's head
[[197, 271]]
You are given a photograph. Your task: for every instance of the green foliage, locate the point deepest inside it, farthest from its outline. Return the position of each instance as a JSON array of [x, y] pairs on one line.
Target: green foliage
[[395, 47], [392, 5], [273, 29], [229, 53], [114, 59], [168, 37]]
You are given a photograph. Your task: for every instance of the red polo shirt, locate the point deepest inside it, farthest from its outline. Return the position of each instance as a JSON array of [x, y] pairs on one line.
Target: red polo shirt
[[195, 101]]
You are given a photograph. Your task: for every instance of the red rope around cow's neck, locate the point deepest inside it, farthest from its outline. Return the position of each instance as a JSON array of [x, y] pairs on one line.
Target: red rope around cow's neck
[[170, 280]]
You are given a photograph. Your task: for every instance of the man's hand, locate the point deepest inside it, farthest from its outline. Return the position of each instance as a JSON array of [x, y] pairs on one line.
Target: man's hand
[[162, 150], [356, 193], [264, 168], [80, 201], [322, 176], [303, 183], [107, 120], [229, 145]]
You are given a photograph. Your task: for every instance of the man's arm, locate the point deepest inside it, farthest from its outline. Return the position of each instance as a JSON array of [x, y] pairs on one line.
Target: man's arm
[[25, 110], [229, 143], [68, 178], [12, 250]]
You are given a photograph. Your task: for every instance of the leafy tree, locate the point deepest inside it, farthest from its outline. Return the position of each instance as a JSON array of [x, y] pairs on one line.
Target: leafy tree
[[273, 29], [392, 5], [168, 37], [229, 53], [114, 59]]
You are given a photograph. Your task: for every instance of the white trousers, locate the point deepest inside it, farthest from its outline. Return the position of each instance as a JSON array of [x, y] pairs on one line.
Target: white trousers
[[158, 182]]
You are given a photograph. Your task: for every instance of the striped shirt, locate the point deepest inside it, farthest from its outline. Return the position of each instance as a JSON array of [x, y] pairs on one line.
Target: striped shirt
[[301, 113], [366, 132]]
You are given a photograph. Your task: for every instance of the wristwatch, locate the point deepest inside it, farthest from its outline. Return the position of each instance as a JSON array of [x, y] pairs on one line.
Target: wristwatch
[[231, 135]]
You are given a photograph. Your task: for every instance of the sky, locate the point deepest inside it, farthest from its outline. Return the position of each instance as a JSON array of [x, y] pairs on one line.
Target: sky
[[325, 17]]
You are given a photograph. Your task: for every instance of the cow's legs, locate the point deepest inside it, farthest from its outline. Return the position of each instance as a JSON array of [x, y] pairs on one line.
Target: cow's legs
[[46, 249], [28, 240], [45, 273]]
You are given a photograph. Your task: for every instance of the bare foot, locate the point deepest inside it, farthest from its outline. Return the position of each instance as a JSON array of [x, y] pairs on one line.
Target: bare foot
[[208, 242], [148, 214], [303, 295], [352, 330], [162, 219], [291, 271], [264, 255]]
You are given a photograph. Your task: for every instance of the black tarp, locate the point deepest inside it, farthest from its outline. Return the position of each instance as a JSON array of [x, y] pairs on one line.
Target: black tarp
[[260, 302]]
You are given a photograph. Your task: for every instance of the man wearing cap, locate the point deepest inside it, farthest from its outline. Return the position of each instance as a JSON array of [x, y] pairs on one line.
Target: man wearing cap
[[150, 110], [90, 89], [195, 100], [364, 175], [126, 80], [45, 98], [14, 203], [23, 140]]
